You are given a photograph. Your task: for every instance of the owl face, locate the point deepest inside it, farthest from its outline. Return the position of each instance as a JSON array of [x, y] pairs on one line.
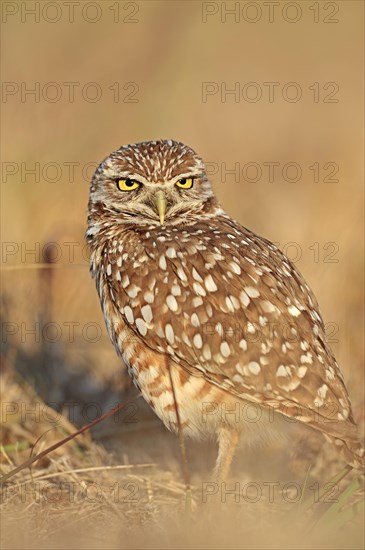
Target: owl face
[[152, 183]]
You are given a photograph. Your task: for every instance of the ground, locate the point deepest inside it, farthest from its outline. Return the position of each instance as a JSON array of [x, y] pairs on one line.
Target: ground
[[121, 486]]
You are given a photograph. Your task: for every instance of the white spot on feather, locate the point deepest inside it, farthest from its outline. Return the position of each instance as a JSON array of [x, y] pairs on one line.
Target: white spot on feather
[[147, 313], [267, 306], [330, 373], [162, 262], [197, 341], [252, 292], [225, 350], [282, 371], [195, 320], [206, 352], [294, 311], [199, 289], [141, 326], [301, 372], [169, 333], [171, 252], [129, 314], [171, 302], [149, 297], [176, 290], [196, 275], [133, 291], [181, 274], [307, 358], [243, 344], [210, 284], [235, 268], [245, 300], [254, 367]]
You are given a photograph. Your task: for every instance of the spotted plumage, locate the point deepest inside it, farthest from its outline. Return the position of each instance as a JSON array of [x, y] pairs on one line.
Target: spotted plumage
[[195, 301]]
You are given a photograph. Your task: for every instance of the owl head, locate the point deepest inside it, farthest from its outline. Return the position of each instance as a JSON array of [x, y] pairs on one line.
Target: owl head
[[151, 183]]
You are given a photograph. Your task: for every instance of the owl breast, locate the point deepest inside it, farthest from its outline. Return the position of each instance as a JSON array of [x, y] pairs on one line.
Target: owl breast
[[202, 407]]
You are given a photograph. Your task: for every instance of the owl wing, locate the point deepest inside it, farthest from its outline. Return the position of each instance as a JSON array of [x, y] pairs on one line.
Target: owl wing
[[227, 304]]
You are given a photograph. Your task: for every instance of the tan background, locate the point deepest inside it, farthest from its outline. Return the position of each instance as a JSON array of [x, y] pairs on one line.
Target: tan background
[[168, 52]]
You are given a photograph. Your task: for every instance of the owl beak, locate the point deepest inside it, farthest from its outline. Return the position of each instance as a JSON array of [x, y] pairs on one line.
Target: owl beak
[[160, 202]]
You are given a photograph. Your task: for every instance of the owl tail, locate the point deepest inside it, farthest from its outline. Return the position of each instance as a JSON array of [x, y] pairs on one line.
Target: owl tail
[[352, 451]]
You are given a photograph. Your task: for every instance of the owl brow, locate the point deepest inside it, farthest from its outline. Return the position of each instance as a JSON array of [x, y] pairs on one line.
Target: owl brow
[[192, 175], [129, 176]]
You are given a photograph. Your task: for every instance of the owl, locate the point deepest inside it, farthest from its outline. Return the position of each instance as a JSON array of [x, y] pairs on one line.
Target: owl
[[217, 328]]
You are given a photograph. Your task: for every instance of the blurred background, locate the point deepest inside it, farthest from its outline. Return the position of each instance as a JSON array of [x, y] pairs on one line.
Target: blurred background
[[271, 96]]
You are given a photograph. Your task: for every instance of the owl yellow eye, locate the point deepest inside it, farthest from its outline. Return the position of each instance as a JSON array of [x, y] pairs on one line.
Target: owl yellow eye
[[127, 184], [185, 183]]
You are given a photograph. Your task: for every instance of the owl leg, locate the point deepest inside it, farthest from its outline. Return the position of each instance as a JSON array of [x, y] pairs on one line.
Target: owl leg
[[227, 443]]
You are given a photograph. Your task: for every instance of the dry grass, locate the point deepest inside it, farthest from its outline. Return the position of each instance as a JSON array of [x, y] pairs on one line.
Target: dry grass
[[82, 496]]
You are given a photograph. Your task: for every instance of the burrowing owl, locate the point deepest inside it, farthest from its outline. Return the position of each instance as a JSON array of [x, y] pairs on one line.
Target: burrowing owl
[[217, 328]]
